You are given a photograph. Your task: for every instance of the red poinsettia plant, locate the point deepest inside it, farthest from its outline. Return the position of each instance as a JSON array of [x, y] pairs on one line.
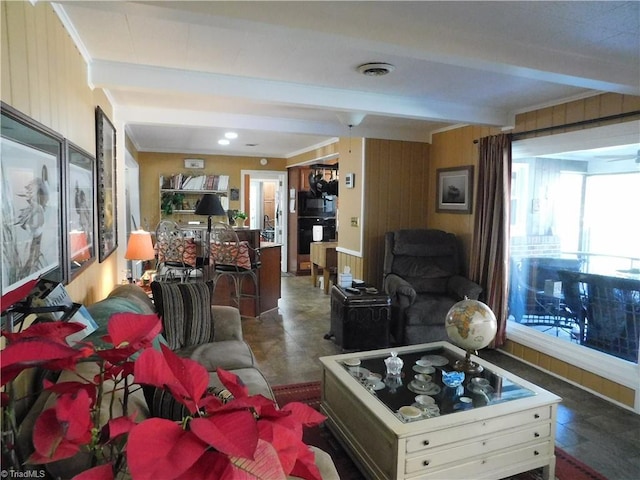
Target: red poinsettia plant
[[245, 437]]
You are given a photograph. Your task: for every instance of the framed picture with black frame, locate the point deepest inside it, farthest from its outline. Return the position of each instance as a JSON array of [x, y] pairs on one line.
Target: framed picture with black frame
[[80, 188], [454, 190], [32, 203], [106, 186]]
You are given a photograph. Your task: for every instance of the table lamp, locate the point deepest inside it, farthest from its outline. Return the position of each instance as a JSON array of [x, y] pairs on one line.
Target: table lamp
[[210, 206], [139, 247]]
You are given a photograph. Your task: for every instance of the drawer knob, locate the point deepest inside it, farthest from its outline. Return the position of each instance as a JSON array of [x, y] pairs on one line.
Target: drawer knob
[[426, 463], [425, 443], [535, 452], [537, 415], [536, 435]]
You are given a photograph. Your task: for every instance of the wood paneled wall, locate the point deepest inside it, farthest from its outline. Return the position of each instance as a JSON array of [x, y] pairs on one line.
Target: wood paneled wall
[[396, 192], [45, 77]]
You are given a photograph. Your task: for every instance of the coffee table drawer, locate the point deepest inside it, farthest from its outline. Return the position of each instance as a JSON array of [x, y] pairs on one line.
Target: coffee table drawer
[[483, 466], [440, 438], [436, 458]]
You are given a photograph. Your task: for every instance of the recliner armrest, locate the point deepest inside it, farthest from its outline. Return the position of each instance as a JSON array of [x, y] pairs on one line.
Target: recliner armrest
[[463, 287], [399, 290], [227, 324]]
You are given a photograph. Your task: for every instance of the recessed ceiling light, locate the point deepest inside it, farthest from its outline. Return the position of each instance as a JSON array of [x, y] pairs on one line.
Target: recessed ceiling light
[[375, 69], [223, 141], [231, 135]]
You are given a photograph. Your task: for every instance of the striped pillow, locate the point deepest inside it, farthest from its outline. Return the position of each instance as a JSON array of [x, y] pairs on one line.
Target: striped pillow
[[185, 309]]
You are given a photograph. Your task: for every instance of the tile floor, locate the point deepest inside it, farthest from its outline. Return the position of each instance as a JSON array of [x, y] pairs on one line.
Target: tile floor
[[288, 342]]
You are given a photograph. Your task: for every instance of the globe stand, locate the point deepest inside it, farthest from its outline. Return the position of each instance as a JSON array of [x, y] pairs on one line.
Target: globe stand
[[467, 365]]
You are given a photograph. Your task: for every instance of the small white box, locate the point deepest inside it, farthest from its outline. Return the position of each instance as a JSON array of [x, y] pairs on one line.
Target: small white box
[[552, 289], [345, 279]]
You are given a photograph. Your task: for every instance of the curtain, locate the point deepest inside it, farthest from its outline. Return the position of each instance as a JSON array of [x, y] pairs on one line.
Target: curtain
[[490, 258]]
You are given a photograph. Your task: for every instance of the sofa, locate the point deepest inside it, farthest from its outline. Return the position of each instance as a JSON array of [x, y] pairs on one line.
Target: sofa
[[224, 348]]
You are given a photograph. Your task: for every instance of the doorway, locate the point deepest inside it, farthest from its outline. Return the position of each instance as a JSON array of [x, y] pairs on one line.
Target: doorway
[[266, 206]]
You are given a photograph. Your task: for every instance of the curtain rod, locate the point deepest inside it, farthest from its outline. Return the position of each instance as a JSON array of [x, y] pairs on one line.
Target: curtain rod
[[574, 124]]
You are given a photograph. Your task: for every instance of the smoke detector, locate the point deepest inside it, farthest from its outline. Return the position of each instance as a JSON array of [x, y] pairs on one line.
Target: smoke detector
[[375, 69]]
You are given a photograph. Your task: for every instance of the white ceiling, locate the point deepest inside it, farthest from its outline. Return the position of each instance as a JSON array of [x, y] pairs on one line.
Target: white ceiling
[[283, 74]]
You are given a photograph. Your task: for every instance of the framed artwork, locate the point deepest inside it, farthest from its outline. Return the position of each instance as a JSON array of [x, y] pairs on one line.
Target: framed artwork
[[454, 189], [106, 158], [81, 186], [32, 214]]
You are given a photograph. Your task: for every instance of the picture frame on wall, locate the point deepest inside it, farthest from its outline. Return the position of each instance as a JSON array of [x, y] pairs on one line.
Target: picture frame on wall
[[106, 186], [454, 189], [32, 206], [81, 199]]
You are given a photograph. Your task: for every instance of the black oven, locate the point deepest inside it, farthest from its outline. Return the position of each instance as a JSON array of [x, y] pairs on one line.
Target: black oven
[[316, 206], [305, 232]]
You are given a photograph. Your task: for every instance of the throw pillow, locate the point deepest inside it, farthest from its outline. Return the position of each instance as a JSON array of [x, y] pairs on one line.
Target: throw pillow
[[163, 404], [185, 309]]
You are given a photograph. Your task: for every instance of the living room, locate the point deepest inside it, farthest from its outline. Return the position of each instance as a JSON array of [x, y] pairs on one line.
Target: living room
[[45, 77]]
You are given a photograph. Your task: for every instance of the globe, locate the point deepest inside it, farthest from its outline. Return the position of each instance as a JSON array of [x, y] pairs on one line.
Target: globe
[[471, 324]]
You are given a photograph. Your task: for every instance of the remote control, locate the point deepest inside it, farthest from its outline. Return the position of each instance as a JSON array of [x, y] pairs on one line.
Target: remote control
[[352, 290]]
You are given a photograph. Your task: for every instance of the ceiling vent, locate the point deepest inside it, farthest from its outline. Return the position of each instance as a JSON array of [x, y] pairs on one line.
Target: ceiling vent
[[376, 69]]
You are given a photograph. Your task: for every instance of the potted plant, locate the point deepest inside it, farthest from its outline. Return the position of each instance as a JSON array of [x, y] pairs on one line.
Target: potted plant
[[235, 435], [240, 218]]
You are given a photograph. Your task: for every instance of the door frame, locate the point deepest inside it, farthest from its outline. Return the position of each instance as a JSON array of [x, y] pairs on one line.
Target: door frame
[[281, 177]]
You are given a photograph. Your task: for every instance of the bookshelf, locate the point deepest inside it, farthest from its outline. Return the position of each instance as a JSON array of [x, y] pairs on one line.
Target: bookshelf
[[179, 193]]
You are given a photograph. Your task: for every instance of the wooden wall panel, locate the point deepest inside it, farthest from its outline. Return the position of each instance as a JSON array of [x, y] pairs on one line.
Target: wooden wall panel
[[395, 196], [45, 77]]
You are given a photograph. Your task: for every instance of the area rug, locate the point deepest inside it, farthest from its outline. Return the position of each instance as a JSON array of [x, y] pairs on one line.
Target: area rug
[[567, 467]]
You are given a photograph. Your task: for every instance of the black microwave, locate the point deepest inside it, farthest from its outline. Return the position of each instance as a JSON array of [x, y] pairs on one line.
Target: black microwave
[[316, 206]]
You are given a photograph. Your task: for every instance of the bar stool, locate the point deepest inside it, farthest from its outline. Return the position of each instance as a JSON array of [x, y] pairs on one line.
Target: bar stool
[[236, 260]]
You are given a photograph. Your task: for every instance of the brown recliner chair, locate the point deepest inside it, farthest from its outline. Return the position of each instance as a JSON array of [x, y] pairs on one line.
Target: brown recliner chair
[[422, 276]]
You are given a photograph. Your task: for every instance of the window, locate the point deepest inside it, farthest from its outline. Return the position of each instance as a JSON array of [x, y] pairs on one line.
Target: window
[[574, 202]]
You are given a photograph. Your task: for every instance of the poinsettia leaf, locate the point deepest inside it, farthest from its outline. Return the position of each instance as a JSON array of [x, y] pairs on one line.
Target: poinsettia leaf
[[306, 466], [48, 439], [56, 331], [284, 440], [215, 466], [233, 383], [234, 433], [120, 426], [151, 369], [265, 465], [37, 352], [101, 472], [73, 414], [159, 448], [191, 379], [133, 330], [303, 413], [70, 387]]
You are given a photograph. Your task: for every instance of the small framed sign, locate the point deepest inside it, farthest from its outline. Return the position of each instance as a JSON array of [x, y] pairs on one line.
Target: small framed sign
[[193, 163]]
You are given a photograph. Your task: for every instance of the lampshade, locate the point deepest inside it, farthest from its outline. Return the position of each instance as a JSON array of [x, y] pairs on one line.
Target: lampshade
[[210, 205], [140, 246]]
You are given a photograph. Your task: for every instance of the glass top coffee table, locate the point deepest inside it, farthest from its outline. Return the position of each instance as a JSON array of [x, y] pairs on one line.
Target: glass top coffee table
[[413, 425]]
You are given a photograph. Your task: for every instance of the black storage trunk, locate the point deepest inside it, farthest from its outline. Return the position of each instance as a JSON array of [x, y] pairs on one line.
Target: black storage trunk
[[359, 321]]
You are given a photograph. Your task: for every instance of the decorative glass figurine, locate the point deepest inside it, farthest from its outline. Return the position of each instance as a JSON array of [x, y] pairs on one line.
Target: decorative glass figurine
[[394, 364]]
